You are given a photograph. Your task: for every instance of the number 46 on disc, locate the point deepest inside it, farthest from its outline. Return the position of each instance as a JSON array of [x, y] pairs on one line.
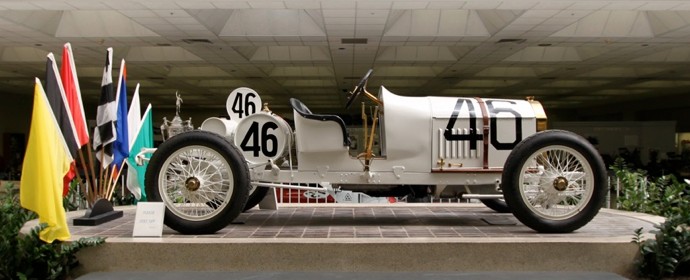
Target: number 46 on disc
[[242, 102]]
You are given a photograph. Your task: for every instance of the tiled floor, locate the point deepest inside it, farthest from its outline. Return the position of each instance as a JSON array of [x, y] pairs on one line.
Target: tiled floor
[[378, 222]]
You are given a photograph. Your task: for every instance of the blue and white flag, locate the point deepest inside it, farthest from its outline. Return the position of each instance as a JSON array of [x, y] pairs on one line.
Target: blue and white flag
[[121, 144]]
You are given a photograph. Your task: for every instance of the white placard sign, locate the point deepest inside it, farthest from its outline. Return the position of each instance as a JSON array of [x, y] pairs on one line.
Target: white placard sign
[[148, 221]]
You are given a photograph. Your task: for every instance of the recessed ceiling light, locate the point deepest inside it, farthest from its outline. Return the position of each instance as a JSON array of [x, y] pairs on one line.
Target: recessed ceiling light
[[193, 41], [517, 41], [354, 40]]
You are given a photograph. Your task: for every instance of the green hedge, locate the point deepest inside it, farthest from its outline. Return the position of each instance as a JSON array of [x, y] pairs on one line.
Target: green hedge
[[27, 256], [668, 253]]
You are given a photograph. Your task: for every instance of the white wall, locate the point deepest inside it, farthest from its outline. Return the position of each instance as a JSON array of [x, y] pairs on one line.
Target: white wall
[[659, 135]]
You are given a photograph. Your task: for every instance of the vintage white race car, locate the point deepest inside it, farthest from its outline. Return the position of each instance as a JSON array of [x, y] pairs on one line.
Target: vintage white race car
[[490, 149]]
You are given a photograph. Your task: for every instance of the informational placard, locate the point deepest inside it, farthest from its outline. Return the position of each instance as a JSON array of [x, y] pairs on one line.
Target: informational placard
[[148, 221]]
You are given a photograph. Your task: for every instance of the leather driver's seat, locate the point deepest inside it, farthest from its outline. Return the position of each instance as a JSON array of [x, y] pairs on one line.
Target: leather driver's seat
[[317, 130]]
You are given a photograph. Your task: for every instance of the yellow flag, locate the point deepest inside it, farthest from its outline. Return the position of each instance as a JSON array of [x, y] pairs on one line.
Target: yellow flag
[[46, 162]]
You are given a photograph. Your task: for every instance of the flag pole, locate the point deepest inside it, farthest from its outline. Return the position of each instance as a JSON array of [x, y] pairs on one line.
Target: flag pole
[[100, 179], [122, 189], [116, 179], [109, 178], [82, 190], [119, 174], [102, 175], [111, 185], [77, 175], [93, 185], [84, 167], [79, 178], [106, 183]]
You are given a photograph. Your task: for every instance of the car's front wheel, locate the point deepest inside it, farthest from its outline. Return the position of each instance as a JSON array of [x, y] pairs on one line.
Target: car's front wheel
[[554, 181]]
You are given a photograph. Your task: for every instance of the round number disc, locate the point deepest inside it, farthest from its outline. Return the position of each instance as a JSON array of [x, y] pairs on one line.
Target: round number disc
[[262, 137], [242, 102]]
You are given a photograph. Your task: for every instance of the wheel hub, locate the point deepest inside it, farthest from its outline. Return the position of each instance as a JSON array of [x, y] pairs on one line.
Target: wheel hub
[[192, 184], [560, 183]]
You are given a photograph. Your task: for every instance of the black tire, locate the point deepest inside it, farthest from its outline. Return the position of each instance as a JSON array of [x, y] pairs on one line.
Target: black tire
[[497, 204], [418, 194], [552, 184], [193, 173], [255, 197]]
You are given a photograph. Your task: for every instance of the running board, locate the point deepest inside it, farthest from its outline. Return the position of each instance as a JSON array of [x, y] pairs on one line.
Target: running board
[[286, 186]]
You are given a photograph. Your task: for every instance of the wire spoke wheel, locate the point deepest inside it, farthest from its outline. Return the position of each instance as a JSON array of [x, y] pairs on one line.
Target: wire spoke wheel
[[196, 183], [562, 186], [202, 179], [554, 181]]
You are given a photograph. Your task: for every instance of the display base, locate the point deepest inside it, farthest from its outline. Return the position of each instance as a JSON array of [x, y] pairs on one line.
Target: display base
[[101, 212], [374, 239]]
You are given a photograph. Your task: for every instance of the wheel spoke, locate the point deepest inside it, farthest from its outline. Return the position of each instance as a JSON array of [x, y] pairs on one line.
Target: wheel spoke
[[205, 170], [196, 182], [563, 189], [576, 176]]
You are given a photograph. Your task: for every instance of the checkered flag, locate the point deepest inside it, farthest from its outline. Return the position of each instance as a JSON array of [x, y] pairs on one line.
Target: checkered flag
[[104, 135]]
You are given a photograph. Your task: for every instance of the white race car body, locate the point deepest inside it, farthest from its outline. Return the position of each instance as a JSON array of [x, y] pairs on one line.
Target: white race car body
[[423, 131], [485, 148], [424, 140]]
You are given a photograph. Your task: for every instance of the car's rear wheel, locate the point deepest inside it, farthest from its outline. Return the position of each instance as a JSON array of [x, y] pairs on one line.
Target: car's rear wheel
[[202, 179], [497, 204], [554, 182]]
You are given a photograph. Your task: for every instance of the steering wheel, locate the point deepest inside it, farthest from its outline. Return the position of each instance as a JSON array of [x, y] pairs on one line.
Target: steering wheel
[[358, 89]]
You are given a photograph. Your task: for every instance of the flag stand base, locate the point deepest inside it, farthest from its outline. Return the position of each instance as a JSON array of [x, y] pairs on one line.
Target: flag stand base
[[101, 212]]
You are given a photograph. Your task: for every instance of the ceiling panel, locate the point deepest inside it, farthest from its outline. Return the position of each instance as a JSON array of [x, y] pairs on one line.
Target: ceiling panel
[[568, 53]]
